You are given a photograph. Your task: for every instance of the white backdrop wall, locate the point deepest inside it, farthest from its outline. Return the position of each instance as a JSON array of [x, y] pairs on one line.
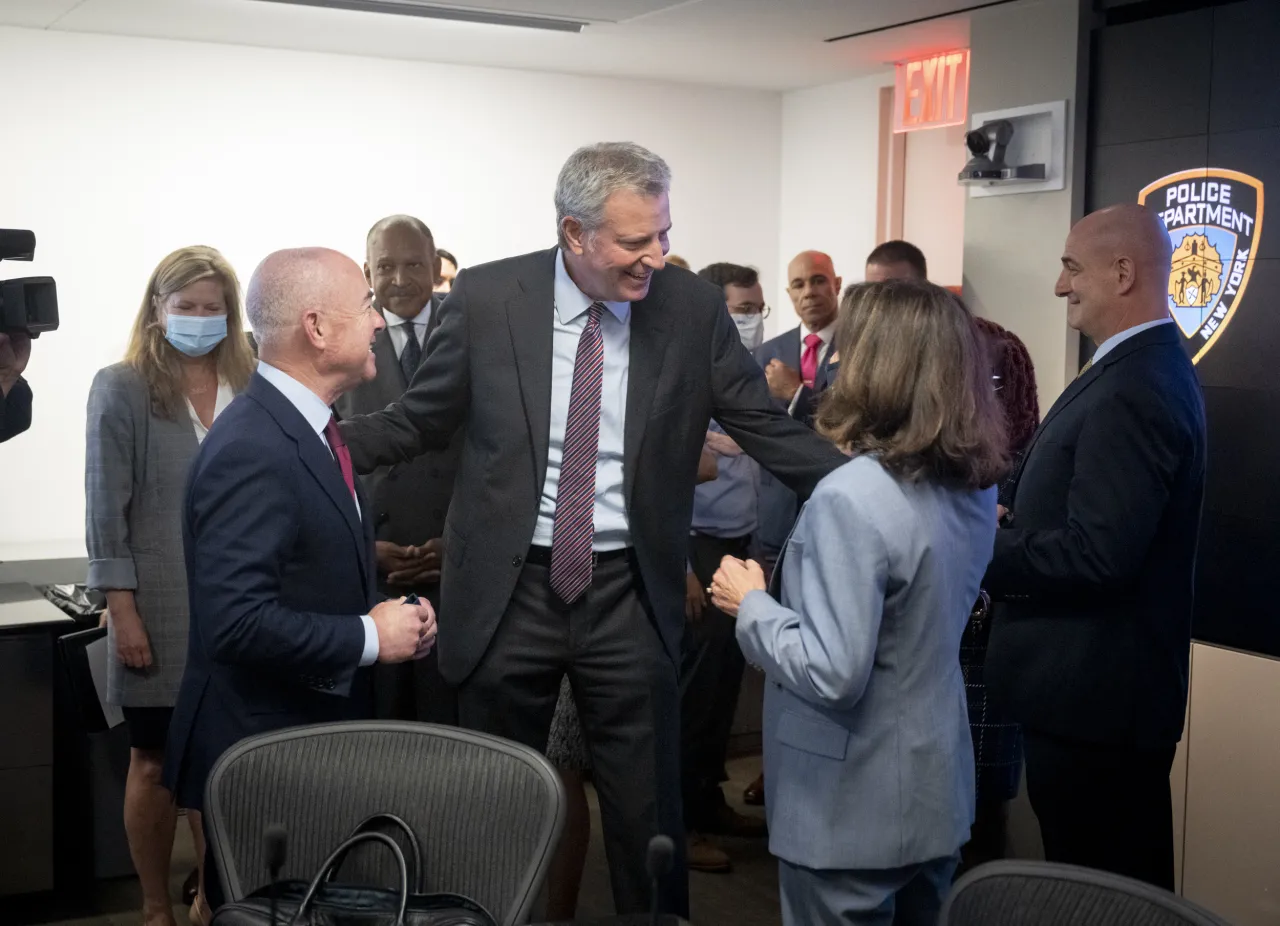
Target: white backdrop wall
[[118, 150], [830, 162]]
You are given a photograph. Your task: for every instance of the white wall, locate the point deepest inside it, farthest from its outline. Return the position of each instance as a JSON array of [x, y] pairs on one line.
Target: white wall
[[933, 203], [118, 150], [1024, 54], [830, 162]]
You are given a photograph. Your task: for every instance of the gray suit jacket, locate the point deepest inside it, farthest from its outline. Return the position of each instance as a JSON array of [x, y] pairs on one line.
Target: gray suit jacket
[[868, 760], [135, 476], [409, 501], [488, 373]]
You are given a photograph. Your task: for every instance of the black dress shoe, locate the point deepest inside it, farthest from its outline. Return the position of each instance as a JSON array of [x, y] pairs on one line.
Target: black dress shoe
[[753, 794]]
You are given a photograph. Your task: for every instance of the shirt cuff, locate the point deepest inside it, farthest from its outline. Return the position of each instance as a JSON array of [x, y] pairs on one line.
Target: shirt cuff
[[791, 407], [370, 655]]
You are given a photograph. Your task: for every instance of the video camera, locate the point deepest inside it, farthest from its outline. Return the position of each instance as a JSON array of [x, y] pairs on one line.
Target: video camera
[[28, 304]]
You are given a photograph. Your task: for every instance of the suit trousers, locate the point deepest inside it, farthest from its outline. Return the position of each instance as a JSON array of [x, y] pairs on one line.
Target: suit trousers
[[415, 690], [907, 896], [710, 679], [1103, 807], [627, 694]]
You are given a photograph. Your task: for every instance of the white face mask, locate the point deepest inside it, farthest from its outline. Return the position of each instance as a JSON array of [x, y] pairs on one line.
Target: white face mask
[[750, 329]]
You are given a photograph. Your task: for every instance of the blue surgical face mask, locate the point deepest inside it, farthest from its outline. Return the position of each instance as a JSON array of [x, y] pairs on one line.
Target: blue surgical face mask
[[750, 329], [196, 335]]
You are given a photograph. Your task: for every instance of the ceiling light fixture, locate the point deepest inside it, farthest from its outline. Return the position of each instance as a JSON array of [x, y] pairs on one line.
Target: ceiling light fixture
[[437, 11]]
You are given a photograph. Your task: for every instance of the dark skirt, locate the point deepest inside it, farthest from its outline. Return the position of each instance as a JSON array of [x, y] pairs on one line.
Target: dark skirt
[[997, 743]]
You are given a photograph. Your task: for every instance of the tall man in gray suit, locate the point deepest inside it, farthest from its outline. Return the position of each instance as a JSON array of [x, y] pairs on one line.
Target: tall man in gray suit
[[409, 500], [583, 379]]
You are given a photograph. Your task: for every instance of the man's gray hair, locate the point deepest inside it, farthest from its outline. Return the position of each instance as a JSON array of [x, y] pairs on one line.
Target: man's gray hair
[[595, 172]]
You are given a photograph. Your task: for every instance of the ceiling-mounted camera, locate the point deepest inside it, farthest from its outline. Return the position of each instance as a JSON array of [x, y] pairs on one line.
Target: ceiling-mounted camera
[[987, 146], [28, 304]]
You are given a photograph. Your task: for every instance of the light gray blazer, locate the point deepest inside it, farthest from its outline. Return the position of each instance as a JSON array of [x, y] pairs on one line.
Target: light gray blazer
[[135, 477], [867, 756]]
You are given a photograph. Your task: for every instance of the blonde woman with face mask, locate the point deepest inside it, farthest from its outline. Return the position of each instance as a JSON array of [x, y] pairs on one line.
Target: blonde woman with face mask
[[188, 355]]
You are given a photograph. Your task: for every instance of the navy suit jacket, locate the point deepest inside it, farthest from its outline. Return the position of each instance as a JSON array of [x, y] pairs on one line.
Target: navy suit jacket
[[1097, 570], [279, 568]]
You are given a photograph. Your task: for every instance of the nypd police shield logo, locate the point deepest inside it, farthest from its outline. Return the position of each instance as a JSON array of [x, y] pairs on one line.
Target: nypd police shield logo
[[1214, 219]]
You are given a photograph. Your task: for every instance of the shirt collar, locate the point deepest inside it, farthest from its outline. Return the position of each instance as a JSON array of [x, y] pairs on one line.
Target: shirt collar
[[310, 405], [1119, 338], [395, 321], [824, 333], [572, 302]]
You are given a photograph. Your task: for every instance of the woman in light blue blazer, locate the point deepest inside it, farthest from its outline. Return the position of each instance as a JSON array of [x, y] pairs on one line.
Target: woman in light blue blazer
[[868, 762]]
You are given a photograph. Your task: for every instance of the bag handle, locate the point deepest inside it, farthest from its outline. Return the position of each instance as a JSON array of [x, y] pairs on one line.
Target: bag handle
[[368, 826], [335, 859]]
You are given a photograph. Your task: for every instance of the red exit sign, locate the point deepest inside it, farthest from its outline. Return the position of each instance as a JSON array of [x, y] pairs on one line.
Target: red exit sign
[[931, 91]]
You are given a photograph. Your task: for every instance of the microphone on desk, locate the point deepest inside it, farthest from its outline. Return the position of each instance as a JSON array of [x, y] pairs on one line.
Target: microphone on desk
[[275, 840], [662, 853]]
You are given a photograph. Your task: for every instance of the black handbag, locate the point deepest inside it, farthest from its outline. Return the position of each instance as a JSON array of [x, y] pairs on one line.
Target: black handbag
[[321, 902]]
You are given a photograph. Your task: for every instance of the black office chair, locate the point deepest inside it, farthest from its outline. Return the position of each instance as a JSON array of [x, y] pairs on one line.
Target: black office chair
[[488, 812], [1015, 893]]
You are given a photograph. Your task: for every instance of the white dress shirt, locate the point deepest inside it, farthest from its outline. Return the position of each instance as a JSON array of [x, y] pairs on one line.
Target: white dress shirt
[[612, 530], [317, 414], [1119, 338], [396, 329], [220, 403]]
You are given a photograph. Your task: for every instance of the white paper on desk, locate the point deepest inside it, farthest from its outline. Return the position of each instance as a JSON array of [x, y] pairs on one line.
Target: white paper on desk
[[96, 653]]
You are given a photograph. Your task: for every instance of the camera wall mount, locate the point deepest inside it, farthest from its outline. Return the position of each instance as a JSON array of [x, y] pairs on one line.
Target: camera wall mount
[[1027, 146]]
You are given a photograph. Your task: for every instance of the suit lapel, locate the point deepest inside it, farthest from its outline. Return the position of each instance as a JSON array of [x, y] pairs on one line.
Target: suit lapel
[[316, 457], [649, 333], [531, 322], [368, 539], [1082, 382], [775, 580], [433, 320], [790, 352], [390, 376]]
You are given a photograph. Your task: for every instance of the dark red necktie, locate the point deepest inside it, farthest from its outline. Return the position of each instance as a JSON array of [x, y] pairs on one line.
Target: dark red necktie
[[574, 528], [333, 435], [809, 359]]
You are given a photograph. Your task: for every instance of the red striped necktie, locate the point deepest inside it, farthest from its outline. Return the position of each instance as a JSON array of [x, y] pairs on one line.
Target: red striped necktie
[[574, 529]]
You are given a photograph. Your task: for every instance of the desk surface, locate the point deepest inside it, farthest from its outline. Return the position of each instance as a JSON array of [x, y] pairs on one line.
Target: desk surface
[[23, 606]]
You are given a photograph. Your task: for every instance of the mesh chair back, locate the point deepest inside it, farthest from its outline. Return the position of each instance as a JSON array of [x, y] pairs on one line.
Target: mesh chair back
[[488, 812], [1046, 894]]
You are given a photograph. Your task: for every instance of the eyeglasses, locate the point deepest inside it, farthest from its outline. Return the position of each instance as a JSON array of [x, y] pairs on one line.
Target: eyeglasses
[[750, 308], [998, 381]]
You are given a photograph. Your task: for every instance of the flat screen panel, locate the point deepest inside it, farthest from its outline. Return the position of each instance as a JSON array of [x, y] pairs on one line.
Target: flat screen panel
[[1119, 172], [1246, 75], [1151, 79]]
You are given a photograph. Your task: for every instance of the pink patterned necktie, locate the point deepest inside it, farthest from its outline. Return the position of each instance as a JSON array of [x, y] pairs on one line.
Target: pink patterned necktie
[[574, 529], [809, 359], [333, 435]]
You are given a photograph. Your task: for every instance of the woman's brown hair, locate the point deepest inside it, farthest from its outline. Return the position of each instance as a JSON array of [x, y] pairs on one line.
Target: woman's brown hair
[[914, 386], [159, 362]]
